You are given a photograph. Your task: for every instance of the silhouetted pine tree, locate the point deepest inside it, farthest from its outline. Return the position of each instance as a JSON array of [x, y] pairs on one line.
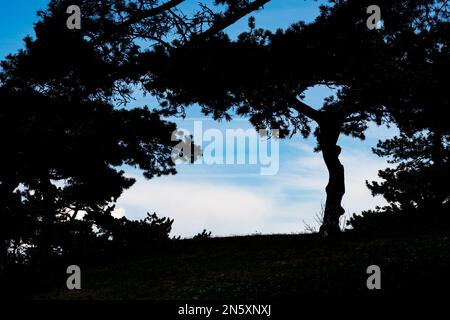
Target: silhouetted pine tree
[[382, 75]]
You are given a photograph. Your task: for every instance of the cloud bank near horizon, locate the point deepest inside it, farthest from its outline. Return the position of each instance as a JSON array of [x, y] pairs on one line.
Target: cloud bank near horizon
[[246, 204]]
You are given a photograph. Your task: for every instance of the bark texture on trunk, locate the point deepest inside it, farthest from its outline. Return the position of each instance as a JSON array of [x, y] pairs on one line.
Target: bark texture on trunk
[[327, 138]]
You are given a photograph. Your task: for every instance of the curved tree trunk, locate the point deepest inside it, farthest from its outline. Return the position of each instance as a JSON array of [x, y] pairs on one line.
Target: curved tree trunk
[[335, 189]]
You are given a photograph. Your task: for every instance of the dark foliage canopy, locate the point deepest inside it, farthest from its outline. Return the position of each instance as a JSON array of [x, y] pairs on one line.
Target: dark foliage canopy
[[380, 73], [63, 134], [395, 74], [65, 140]]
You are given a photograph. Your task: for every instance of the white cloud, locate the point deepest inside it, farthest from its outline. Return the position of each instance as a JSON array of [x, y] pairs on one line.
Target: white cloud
[[118, 213], [274, 204], [195, 205], [308, 174], [359, 167]]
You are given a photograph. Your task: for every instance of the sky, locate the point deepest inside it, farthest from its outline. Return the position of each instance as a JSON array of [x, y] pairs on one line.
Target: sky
[[236, 199]]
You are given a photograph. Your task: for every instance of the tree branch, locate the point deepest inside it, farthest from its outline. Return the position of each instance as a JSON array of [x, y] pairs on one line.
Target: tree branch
[[156, 39], [306, 110], [228, 20], [152, 12]]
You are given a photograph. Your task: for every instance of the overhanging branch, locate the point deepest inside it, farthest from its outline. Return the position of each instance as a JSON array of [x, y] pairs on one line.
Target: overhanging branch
[[144, 14], [306, 110], [230, 19]]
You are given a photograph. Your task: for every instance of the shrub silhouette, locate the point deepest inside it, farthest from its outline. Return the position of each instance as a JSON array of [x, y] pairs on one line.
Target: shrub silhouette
[[203, 235]]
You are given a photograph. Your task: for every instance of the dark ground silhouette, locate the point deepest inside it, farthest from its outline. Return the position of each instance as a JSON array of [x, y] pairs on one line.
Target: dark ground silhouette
[[64, 140]]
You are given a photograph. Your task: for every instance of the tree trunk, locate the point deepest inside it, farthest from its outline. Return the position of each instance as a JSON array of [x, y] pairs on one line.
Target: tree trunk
[[327, 138]]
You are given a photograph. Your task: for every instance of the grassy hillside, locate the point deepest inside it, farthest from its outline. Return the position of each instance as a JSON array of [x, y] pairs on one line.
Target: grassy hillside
[[258, 267]]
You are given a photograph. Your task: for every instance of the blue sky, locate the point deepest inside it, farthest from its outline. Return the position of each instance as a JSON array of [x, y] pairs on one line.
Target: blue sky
[[236, 199]]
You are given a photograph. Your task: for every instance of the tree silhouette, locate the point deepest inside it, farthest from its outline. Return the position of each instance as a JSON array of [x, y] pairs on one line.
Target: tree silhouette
[[63, 142], [63, 138], [418, 182], [421, 152], [264, 75]]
